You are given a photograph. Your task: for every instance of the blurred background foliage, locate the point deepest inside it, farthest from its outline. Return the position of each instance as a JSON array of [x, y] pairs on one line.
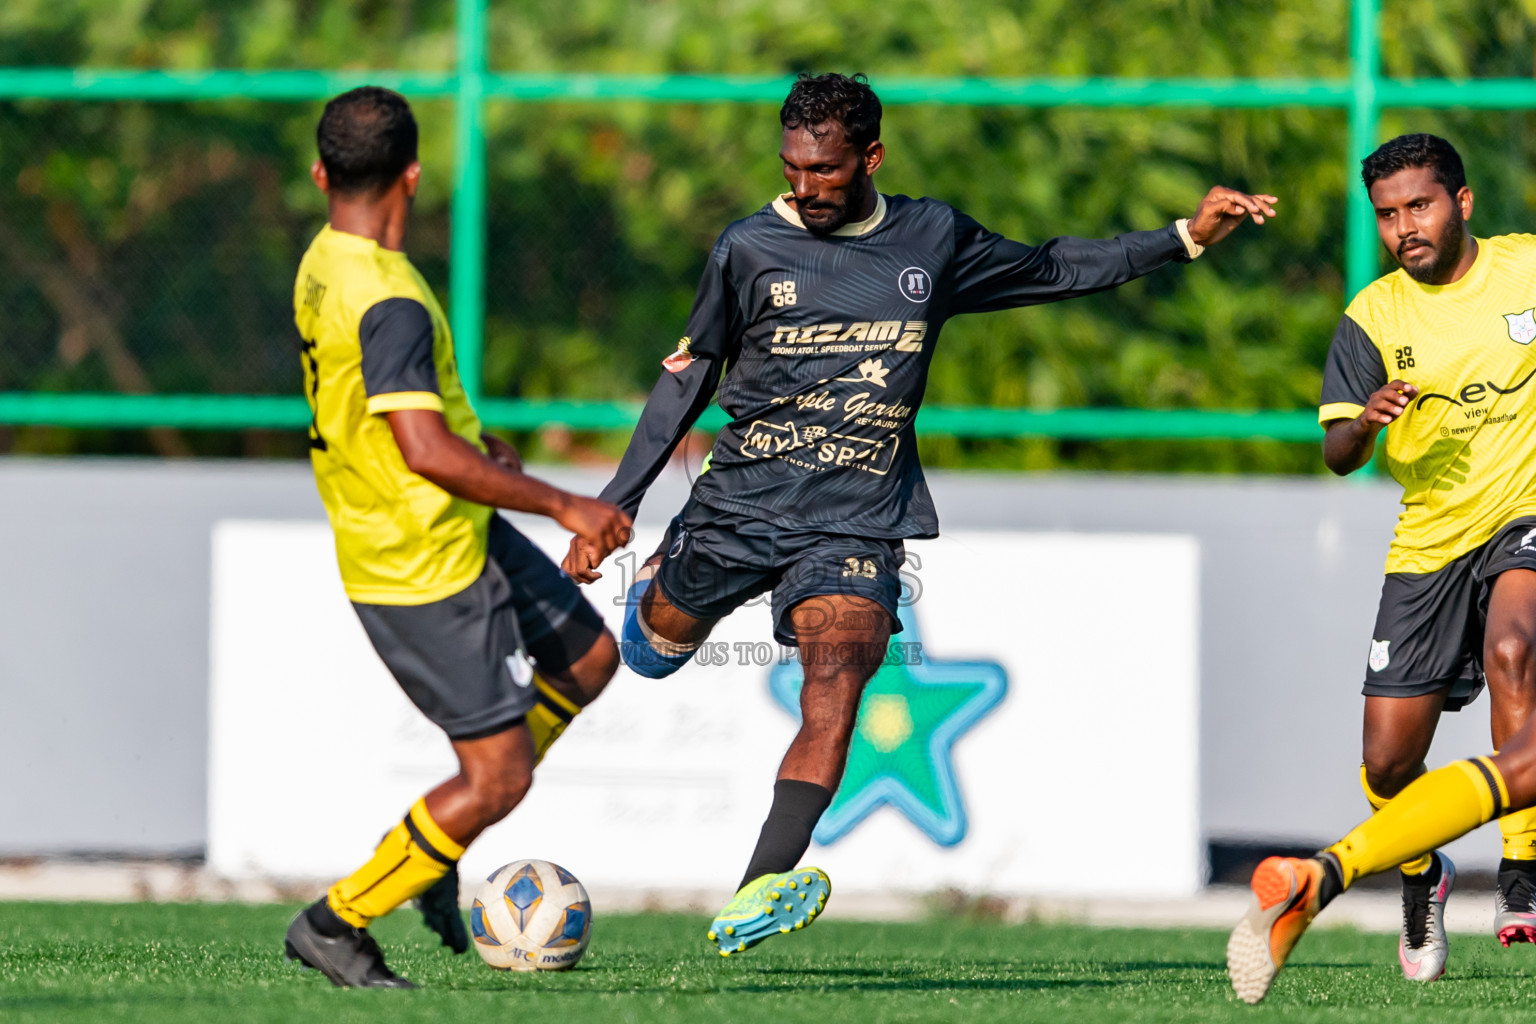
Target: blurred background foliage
[[150, 247]]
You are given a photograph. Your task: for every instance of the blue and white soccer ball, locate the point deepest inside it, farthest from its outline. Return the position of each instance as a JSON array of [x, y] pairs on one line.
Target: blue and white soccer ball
[[531, 915]]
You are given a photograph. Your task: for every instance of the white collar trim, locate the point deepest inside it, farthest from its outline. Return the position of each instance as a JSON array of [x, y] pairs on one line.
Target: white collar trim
[[863, 227]]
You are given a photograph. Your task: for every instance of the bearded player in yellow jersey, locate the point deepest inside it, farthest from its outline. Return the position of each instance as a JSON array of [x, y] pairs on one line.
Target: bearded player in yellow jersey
[[481, 630], [1438, 355]]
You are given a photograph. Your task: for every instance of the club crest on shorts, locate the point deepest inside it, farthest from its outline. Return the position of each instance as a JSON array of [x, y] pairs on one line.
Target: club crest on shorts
[[1379, 659], [677, 545], [1522, 326], [519, 669]]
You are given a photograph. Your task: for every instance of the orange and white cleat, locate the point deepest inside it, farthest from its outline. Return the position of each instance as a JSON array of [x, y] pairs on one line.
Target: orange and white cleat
[[1285, 900]]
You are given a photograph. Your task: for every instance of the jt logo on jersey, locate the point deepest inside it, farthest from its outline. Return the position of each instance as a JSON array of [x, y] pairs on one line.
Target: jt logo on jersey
[[914, 284]]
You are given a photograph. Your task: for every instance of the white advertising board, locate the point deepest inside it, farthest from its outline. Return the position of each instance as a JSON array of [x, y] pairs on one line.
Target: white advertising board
[[1054, 698]]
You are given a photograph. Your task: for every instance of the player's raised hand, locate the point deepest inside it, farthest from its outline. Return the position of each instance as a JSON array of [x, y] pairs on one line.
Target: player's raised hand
[[1223, 209], [600, 526], [581, 562], [1388, 403]]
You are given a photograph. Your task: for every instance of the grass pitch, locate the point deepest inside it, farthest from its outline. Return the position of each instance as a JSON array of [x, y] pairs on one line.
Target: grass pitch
[[222, 963]]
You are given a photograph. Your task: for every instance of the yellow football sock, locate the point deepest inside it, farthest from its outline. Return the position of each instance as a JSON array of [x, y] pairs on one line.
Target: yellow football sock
[[410, 858], [549, 717], [1519, 834], [1446, 804], [1413, 867]]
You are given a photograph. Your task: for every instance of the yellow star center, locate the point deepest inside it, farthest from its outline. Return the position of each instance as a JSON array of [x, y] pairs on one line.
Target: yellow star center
[[887, 723]]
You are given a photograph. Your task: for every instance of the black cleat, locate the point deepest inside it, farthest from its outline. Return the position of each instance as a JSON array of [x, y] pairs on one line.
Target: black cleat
[[348, 956], [439, 908]]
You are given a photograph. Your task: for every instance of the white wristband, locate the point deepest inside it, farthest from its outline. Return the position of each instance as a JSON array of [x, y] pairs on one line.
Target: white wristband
[[1190, 245]]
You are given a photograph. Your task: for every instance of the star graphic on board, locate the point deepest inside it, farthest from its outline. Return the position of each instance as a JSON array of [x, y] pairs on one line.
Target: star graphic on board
[[902, 750]]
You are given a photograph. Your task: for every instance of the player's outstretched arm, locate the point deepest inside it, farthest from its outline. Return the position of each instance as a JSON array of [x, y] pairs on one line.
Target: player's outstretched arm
[[674, 406], [992, 272], [687, 385], [1348, 443], [431, 450]]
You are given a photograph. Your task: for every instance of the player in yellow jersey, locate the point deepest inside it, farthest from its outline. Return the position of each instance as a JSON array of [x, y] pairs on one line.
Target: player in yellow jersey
[[1438, 356], [480, 628]]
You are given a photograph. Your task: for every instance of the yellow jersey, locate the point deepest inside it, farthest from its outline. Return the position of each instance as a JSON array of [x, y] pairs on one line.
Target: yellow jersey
[[376, 341], [1465, 449]]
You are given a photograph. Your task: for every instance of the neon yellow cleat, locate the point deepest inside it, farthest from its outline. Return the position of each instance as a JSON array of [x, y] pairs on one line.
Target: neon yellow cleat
[[761, 910]]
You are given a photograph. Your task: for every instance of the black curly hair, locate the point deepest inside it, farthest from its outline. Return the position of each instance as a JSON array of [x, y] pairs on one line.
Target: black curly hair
[[1417, 150], [367, 138], [816, 100]]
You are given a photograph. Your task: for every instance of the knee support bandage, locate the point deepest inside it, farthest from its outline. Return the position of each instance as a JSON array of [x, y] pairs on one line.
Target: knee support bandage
[[643, 651]]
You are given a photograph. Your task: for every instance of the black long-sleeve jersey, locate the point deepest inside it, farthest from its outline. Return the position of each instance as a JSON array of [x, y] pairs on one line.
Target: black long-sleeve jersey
[[825, 343]]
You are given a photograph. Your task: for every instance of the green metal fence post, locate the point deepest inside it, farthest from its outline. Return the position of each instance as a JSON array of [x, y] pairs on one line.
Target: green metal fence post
[[1364, 111], [1360, 240], [466, 275]]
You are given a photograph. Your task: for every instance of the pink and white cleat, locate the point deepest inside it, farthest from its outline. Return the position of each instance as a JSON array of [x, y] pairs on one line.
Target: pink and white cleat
[[1514, 906], [1423, 946]]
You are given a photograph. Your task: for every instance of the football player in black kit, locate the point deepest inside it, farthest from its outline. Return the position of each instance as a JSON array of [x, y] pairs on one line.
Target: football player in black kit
[[823, 310]]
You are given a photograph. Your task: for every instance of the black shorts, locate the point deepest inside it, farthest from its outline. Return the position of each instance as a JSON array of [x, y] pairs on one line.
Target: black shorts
[[457, 659], [1429, 627], [714, 562]]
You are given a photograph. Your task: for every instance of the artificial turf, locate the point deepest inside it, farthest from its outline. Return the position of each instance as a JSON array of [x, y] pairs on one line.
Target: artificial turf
[[220, 963]]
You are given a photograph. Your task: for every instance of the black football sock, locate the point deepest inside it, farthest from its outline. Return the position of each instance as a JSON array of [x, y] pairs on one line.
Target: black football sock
[[325, 920], [1427, 880], [797, 807], [1333, 879]]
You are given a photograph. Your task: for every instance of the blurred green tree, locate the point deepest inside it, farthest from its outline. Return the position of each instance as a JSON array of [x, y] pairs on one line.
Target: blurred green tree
[[150, 247]]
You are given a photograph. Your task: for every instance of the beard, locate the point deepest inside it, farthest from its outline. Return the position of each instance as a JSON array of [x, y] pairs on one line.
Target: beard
[[838, 213], [1445, 252]]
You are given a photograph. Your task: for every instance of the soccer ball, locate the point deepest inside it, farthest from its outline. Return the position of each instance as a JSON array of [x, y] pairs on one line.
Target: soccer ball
[[531, 915]]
